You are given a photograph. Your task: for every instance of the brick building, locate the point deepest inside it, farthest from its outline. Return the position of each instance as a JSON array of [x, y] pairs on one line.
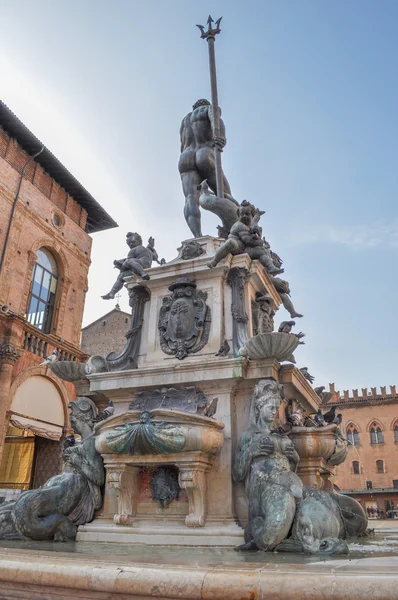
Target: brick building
[[370, 421], [107, 334], [46, 217]]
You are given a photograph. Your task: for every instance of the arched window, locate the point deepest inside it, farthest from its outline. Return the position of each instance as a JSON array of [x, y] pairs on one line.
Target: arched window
[[355, 467], [376, 434], [396, 433], [352, 435], [42, 295], [380, 466]]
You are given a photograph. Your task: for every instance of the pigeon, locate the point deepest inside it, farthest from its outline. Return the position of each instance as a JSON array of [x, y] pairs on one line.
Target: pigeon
[[330, 415], [278, 262], [307, 375], [319, 420], [309, 422], [69, 441], [338, 419], [106, 413], [284, 429], [224, 350], [50, 359], [211, 408], [319, 390], [286, 326], [299, 336]]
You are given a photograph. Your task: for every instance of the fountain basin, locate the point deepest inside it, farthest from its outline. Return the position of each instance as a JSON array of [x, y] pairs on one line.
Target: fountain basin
[[314, 442], [191, 432], [270, 345]]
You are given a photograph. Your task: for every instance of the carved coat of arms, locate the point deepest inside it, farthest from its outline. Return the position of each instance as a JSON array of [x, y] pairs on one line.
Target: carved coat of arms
[[184, 319]]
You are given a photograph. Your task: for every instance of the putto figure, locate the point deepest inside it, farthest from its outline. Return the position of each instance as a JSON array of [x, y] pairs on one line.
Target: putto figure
[[138, 259], [245, 237], [197, 160]]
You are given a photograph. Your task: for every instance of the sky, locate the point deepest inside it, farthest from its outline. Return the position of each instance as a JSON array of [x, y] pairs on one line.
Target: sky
[[309, 96]]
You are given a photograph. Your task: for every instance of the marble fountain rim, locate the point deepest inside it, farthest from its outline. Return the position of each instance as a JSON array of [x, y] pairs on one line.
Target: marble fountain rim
[[177, 416]]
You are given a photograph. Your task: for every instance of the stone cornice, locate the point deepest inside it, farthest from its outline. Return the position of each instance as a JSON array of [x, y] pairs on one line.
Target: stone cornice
[[190, 371], [291, 374], [166, 274]]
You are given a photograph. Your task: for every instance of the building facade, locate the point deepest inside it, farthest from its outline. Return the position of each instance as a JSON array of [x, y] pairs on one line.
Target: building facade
[[46, 217], [107, 334], [370, 472]]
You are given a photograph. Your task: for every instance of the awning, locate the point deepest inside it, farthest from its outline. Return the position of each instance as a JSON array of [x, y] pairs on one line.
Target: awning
[[35, 426], [37, 406]]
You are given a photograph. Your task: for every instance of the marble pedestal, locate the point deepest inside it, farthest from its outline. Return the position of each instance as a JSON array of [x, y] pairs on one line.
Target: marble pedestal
[[129, 514]]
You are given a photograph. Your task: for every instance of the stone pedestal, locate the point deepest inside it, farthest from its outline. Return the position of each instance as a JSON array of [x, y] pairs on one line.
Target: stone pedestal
[[212, 509]]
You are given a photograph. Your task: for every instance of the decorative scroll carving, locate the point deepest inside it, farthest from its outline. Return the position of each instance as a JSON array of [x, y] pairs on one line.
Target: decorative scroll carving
[[236, 279], [193, 480], [124, 479], [184, 319], [9, 354], [128, 357]]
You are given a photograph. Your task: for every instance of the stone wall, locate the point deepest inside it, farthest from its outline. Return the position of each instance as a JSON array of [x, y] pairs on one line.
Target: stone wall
[[106, 334], [41, 200], [45, 216]]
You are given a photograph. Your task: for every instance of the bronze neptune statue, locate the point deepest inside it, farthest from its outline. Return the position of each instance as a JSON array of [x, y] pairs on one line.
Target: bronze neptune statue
[[197, 160]]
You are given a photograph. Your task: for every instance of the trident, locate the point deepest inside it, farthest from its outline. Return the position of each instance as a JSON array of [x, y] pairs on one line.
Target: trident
[[210, 36]]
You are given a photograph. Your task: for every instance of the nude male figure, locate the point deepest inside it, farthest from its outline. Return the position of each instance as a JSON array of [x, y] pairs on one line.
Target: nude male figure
[[197, 160]]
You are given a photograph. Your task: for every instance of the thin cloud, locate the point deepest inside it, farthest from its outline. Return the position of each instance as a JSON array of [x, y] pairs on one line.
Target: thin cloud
[[380, 233]]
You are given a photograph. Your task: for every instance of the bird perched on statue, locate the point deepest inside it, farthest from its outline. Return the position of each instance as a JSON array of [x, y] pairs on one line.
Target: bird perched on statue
[[50, 359], [318, 418], [338, 419], [309, 422], [278, 262], [106, 413], [286, 326], [69, 441], [307, 375], [319, 390], [299, 336], [210, 410], [224, 350], [330, 415]]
